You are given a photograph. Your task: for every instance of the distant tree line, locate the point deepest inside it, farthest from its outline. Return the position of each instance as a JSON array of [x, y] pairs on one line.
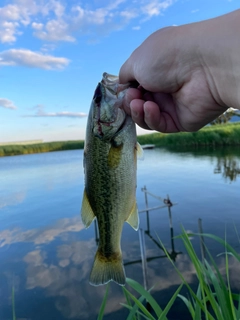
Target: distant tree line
[[12, 150], [226, 116]]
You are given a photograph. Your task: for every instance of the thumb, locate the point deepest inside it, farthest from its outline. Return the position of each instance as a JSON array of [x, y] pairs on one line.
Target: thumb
[[126, 73]]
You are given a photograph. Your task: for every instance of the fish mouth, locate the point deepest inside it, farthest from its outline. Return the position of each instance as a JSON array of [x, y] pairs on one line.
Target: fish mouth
[[118, 127], [109, 117]]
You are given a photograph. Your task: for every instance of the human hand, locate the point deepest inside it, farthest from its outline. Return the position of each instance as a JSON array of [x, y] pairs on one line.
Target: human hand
[[182, 70]]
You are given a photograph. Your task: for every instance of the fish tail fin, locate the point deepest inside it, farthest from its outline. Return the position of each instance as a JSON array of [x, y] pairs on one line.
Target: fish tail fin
[[106, 269]]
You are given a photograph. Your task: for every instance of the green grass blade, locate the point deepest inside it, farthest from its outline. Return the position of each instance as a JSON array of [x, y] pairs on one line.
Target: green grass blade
[[230, 299], [133, 309], [236, 297], [170, 303], [136, 286], [224, 296], [13, 304], [218, 305], [236, 231], [188, 305], [221, 241], [192, 293], [129, 305], [196, 305], [137, 312], [140, 305], [103, 305]]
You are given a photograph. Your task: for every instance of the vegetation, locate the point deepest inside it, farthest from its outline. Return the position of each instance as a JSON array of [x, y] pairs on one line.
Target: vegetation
[[217, 135], [10, 150], [226, 116], [212, 300]]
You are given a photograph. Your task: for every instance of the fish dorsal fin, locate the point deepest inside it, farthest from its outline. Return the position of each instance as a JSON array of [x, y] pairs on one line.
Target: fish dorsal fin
[[133, 218], [140, 153], [86, 212]]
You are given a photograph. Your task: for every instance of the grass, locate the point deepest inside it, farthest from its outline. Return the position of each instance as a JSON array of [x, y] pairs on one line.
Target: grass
[[217, 135], [10, 150], [13, 304], [212, 300]]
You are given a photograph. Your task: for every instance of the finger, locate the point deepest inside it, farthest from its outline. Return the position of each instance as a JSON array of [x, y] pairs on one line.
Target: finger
[[130, 95], [137, 113], [148, 96], [158, 120]]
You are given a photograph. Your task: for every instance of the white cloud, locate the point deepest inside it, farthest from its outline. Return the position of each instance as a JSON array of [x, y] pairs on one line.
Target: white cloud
[[129, 14], [8, 104], [28, 58], [194, 11], [58, 20], [67, 114], [37, 26], [12, 16], [42, 113], [21, 13], [156, 7], [55, 30], [8, 31]]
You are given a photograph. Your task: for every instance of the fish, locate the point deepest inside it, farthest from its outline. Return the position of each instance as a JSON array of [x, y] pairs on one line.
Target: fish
[[110, 163]]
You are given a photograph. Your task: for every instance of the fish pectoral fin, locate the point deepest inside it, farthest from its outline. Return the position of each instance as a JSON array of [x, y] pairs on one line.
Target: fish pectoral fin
[[86, 212], [133, 218], [140, 153], [114, 155]]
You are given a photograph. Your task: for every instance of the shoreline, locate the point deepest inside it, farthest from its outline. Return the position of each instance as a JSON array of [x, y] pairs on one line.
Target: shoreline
[[214, 135]]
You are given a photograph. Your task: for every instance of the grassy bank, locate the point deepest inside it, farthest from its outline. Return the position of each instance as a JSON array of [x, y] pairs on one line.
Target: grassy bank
[[11, 150], [217, 135]]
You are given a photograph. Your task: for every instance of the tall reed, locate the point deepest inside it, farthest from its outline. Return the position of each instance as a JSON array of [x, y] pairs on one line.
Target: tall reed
[[213, 300]]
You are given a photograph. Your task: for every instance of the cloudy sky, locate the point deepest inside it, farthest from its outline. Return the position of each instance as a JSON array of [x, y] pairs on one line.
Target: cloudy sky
[[53, 53]]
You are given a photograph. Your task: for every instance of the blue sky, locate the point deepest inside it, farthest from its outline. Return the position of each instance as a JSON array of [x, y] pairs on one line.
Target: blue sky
[[53, 53]]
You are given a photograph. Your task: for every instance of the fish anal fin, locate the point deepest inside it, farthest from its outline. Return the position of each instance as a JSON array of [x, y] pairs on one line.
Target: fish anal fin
[[86, 211], [133, 218], [114, 155], [107, 269]]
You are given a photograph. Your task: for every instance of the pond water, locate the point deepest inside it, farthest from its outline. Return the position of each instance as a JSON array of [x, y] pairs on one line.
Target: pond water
[[46, 254]]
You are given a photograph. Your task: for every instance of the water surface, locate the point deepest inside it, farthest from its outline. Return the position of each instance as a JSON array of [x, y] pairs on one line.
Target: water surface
[[46, 254]]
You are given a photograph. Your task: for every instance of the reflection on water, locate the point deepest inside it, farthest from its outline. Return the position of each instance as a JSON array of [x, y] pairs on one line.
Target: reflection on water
[[46, 254], [227, 159], [229, 167]]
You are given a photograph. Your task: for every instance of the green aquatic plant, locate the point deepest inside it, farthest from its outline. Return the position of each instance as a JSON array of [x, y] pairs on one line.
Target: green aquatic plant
[[138, 309], [103, 305], [13, 304], [213, 299]]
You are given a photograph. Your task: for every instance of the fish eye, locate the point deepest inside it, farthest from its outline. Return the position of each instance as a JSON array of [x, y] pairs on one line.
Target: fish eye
[[98, 94]]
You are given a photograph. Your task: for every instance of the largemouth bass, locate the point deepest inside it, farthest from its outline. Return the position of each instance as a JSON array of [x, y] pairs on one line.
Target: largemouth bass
[[110, 157]]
